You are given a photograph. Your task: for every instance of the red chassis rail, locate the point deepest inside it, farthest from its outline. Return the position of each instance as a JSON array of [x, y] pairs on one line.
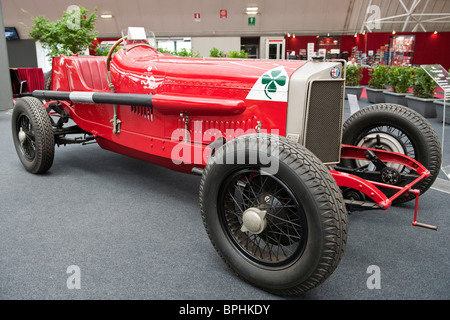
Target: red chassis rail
[[370, 188]]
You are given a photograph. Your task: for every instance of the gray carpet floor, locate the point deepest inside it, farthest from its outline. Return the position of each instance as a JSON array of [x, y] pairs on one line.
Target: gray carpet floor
[[134, 231]]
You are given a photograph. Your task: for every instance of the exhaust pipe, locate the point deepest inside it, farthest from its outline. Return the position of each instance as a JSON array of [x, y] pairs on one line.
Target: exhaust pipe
[[131, 99]]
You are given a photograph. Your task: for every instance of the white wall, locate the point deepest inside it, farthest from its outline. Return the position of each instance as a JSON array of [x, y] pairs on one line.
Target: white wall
[[225, 44], [43, 60]]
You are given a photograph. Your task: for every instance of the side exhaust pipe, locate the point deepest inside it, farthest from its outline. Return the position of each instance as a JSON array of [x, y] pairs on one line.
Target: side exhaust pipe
[[96, 97]]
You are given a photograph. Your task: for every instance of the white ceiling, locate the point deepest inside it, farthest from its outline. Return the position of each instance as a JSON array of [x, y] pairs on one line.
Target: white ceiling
[[277, 17]]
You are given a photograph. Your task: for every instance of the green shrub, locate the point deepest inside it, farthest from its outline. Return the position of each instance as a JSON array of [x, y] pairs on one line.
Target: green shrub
[[235, 54], [423, 85], [216, 53], [181, 53], [64, 36], [400, 78], [104, 50], [353, 76], [378, 77]]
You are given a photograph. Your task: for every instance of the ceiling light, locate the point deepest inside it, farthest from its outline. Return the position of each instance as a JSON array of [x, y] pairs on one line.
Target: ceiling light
[[251, 10], [393, 31], [106, 16], [435, 32]]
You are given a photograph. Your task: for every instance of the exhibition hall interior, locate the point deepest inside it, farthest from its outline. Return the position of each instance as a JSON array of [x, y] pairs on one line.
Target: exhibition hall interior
[[212, 150]]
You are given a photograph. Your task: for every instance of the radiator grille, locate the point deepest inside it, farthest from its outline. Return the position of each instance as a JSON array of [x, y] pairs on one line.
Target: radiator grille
[[324, 119]]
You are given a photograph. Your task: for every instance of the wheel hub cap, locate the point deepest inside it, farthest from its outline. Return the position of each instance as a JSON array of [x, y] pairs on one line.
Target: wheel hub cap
[[253, 220], [22, 136], [386, 142]]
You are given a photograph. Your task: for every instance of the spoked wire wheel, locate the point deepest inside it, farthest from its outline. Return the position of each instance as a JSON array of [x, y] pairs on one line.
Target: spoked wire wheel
[[284, 232], [388, 138], [26, 136], [263, 218], [33, 135]]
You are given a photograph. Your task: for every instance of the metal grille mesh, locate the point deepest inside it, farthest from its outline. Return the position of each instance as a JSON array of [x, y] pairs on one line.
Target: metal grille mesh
[[324, 119]]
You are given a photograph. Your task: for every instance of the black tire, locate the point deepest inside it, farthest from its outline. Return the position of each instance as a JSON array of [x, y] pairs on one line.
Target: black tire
[[305, 214], [31, 121], [410, 130]]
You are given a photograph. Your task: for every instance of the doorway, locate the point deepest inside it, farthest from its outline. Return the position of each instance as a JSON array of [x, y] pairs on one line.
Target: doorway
[[275, 48]]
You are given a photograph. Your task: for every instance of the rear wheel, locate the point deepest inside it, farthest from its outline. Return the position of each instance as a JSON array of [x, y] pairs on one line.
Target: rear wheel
[[33, 135], [284, 232]]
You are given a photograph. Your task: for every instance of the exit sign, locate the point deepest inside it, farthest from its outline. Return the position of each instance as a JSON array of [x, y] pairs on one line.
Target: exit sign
[[251, 21]]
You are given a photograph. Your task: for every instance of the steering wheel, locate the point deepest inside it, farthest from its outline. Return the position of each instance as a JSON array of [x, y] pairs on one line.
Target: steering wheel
[[114, 46], [111, 51]]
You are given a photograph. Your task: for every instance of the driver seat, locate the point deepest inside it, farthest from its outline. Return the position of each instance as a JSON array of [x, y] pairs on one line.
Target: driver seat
[[92, 71]]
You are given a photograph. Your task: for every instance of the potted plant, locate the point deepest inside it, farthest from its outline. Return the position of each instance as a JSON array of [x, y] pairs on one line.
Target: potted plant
[[183, 52], [352, 81], [216, 53], [423, 94], [236, 54], [400, 78], [70, 35], [377, 84]]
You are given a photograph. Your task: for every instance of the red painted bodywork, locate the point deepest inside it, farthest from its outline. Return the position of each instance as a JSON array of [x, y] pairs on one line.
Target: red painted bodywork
[[211, 91]]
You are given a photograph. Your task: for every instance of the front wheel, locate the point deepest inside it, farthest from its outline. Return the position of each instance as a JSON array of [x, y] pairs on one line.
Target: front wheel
[[283, 231], [33, 135]]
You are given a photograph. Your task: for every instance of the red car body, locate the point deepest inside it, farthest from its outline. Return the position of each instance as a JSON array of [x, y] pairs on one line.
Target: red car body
[[212, 92]]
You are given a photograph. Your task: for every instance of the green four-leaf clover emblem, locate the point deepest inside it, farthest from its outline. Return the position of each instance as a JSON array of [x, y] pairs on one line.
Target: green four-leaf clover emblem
[[272, 81]]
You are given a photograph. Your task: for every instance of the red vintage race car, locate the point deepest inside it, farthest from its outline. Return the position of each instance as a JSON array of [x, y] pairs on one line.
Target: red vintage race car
[[280, 170]]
